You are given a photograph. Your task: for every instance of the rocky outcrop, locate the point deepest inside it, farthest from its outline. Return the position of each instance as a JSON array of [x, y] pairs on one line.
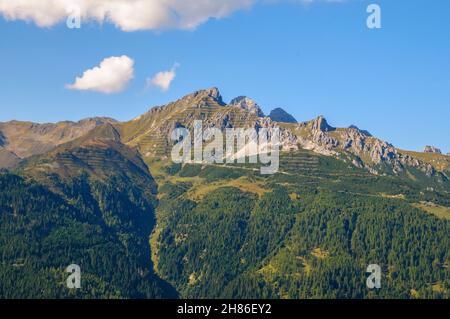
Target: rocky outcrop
[[203, 95], [247, 104], [314, 137], [363, 145], [432, 149], [280, 115], [359, 146], [318, 124], [362, 131]]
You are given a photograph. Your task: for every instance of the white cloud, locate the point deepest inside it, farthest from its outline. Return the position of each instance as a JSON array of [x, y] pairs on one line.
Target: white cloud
[[128, 15], [164, 79], [111, 76]]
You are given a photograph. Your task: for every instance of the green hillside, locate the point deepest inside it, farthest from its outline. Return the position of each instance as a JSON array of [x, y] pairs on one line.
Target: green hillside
[[91, 203], [298, 235]]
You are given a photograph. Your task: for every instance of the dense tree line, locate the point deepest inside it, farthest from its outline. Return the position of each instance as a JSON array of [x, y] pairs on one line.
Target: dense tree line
[[311, 235], [103, 226], [315, 244]]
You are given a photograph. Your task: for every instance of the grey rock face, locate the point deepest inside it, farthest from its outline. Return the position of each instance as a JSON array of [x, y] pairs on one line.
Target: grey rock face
[[321, 124], [212, 93], [371, 153], [247, 104], [432, 149]]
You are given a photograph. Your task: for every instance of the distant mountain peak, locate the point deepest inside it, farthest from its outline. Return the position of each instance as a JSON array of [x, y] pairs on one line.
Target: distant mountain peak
[[247, 104], [106, 132], [211, 93], [24, 139], [432, 149], [321, 124], [280, 115]]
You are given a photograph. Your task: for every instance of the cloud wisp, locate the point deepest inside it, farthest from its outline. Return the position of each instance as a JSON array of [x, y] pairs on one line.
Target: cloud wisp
[[164, 79], [111, 76]]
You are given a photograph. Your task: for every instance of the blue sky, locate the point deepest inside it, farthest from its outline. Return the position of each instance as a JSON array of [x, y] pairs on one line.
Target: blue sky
[[310, 60]]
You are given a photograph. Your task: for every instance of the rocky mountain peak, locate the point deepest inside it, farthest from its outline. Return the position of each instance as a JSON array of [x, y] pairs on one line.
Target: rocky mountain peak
[[321, 124], [247, 104], [211, 93], [432, 149], [280, 115], [105, 131]]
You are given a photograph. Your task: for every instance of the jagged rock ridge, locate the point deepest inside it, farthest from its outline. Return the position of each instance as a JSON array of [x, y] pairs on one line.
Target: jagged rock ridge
[[150, 134]]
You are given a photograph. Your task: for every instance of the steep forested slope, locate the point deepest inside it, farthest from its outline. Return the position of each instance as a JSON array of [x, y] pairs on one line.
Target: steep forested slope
[[299, 236], [90, 202]]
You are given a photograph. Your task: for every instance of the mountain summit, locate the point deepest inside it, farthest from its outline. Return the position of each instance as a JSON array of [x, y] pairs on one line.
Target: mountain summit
[[247, 104], [211, 93], [280, 115]]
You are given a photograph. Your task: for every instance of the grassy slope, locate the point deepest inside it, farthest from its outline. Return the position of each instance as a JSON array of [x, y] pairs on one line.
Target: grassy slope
[[437, 210]]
